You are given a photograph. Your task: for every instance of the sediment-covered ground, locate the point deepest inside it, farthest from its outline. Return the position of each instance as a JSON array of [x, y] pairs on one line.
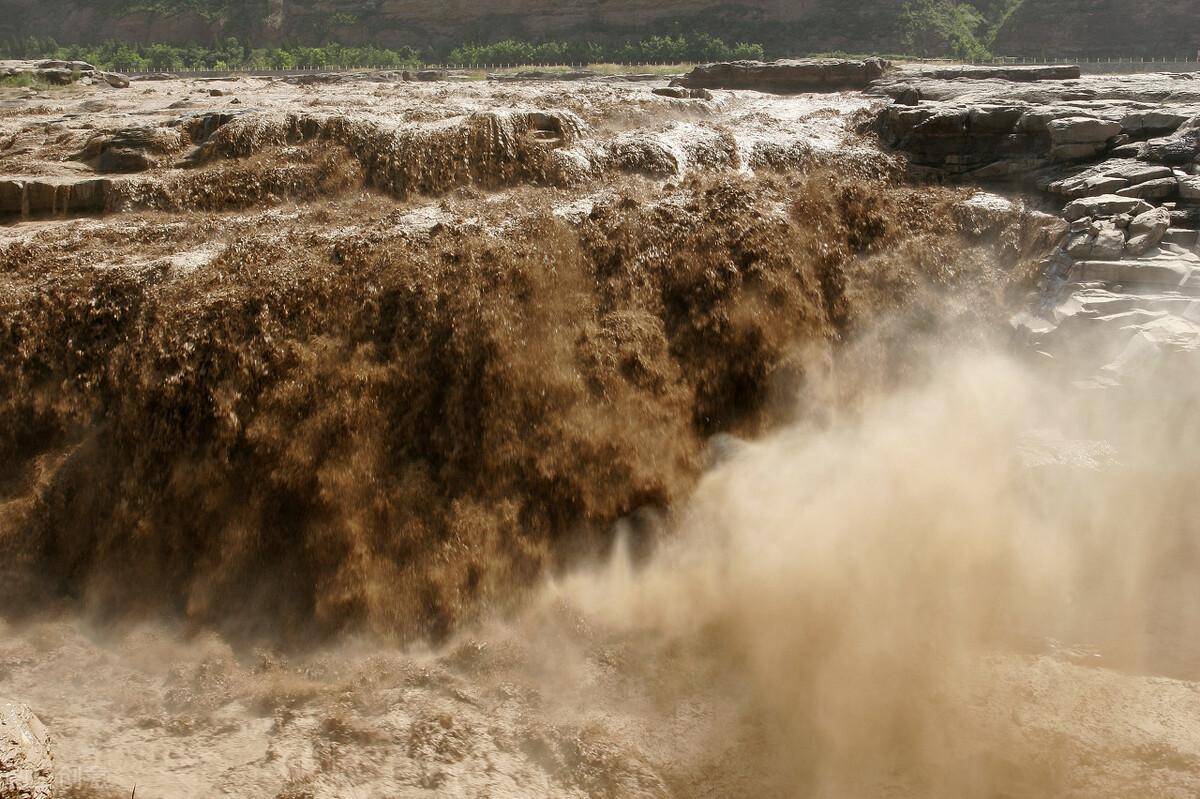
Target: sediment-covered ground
[[372, 438]]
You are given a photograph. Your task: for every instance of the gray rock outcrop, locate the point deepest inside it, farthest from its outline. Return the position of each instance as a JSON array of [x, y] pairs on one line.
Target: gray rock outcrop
[[682, 93], [997, 129], [26, 759], [62, 73], [36, 196], [787, 76], [1106, 205]]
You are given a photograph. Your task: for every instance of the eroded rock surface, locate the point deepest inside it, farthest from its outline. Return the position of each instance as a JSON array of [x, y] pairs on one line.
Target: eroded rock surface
[[63, 73], [1120, 157], [787, 76], [26, 759]]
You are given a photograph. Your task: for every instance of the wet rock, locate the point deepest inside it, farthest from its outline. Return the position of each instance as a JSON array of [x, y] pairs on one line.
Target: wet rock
[[1015, 73], [1154, 122], [12, 196], [38, 196], [1076, 152], [642, 155], [26, 759], [220, 93], [1108, 177], [1185, 217], [1146, 230], [993, 119], [1136, 172], [1082, 130], [1158, 189], [543, 75], [1078, 138], [1105, 184], [1189, 189], [1181, 237], [1079, 245], [200, 125], [962, 139], [966, 127], [989, 215], [96, 106], [1172, 270], [787, 76], [318, 78], [76, 66], [114, 79], [1134, 150], [131, 149], [683, 93], [1106, 205], [59, 77], [1173, 150], [678, 92], [723, 448], [904, 94], [1105, 242], [121, 159]]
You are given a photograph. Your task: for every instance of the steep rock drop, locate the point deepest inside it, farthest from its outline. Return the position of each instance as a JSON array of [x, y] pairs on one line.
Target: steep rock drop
[[713, 465]]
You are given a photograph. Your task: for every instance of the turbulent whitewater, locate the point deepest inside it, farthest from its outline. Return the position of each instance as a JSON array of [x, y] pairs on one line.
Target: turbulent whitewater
[[370, 438]]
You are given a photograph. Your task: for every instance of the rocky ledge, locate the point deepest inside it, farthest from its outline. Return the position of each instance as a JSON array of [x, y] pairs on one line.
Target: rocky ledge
[[787, 76], [26, 761], [62, 73], [993, 128], [1119, 157]]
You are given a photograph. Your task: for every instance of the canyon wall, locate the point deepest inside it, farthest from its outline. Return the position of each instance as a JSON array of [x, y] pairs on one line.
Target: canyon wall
[[385, 22], [785, 26], [1034, 28], [1099, 28]]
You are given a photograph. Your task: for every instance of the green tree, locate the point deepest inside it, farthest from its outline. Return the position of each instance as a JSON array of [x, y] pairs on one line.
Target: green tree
[[943, 28]]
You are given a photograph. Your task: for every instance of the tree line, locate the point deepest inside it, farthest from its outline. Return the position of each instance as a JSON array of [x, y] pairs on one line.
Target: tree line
[[231, 54], [957, 28]]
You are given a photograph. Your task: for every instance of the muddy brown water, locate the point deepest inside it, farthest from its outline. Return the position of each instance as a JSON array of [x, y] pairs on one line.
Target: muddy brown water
[[577, 478]]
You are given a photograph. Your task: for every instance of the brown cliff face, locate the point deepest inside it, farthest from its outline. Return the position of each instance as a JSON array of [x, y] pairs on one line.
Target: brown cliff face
[[1071, 28]]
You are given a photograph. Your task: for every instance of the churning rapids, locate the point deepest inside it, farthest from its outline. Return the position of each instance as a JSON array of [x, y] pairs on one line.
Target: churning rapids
[[376, 439]]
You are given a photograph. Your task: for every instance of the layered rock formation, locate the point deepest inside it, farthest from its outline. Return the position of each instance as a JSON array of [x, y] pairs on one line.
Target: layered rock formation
[[788, 76], [999, 128], [26, 760], [62, 73], [1121, 157]]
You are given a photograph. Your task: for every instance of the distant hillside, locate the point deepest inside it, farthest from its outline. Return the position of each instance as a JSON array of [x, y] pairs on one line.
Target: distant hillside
[[1073, 28], [786, 27]]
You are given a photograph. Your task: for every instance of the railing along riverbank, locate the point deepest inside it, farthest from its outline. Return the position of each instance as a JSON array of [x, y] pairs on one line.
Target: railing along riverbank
[[1088, 65]]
